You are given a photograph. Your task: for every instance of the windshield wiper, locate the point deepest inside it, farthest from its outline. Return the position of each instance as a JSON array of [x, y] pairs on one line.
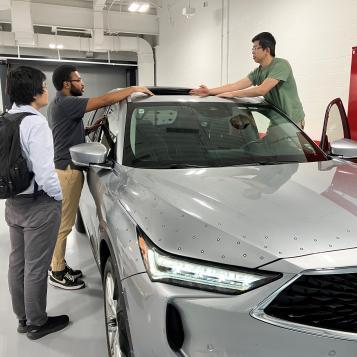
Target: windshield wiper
[[181, 166], [278, 162], [265, 163]]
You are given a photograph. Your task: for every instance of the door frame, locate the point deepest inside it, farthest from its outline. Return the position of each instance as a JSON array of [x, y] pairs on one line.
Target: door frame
[[346, 129]]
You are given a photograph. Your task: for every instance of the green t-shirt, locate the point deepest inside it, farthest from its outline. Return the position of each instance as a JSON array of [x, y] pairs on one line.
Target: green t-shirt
[[284, 95]]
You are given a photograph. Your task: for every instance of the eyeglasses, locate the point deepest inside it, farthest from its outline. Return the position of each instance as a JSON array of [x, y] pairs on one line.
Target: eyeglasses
[[256, 48]]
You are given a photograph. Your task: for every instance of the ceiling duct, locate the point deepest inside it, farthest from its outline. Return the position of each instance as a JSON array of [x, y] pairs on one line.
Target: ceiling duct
[[22, 23], [98, 30], [62, 31], [111, 44], [68, 31], [5, 4]]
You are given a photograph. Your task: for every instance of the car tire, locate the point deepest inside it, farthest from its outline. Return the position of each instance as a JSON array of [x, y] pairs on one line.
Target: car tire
[[116, 325], [79, 223]]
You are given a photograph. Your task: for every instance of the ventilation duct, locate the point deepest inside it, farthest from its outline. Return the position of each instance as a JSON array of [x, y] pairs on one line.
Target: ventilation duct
[[111, 43], [22, 23], [5, 4]]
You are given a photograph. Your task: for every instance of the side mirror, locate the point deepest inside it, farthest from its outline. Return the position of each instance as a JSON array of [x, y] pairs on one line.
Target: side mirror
[[90, 154], [344, 148]]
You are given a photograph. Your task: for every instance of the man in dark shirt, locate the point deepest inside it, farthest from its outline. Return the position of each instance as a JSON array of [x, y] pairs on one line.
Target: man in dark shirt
[[65, 114]]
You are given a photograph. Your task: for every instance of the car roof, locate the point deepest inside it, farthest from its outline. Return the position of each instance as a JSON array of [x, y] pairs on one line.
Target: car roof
[[175, 94]]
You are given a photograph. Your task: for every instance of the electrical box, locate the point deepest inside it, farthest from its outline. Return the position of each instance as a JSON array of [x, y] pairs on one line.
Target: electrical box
[[352, 103]]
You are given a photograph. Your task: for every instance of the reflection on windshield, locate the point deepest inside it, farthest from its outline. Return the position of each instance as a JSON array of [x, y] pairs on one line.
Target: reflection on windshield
[[268, 181], [191, 134]]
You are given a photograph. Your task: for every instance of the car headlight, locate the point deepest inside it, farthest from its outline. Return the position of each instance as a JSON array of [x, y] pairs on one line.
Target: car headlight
[[191, 273]]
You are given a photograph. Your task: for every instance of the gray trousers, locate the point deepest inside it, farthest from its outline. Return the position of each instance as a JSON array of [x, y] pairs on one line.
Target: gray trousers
[[34, 225]]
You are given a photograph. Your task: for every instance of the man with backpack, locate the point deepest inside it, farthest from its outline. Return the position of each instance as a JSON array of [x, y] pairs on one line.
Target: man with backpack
[[33, 207]]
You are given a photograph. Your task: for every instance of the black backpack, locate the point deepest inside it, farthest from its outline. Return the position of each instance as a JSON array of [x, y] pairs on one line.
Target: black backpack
[[15, 176]]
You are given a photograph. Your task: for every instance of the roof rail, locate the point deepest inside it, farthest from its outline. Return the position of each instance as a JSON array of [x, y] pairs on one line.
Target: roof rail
[[170, 90]]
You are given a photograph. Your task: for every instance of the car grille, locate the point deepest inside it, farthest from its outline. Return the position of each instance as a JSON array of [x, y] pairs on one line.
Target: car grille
[[321, 301]]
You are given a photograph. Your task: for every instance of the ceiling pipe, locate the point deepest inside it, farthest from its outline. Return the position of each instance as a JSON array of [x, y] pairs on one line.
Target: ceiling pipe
[[6, 58], [21, 21], [98, 30], [5, 5], [110, 43]]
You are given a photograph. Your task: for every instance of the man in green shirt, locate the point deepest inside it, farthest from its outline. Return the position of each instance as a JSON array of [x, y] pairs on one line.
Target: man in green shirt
[[273, 79]]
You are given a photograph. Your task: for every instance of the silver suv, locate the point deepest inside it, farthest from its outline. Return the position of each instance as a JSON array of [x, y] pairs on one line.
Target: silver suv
[[220, 229]]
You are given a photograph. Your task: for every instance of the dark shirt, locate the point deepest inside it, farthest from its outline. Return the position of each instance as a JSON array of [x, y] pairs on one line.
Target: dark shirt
[[65, 114]]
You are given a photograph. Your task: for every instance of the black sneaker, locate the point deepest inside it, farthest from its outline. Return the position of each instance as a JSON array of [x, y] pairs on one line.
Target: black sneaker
[[53, 324], [62, 279], [22, 327], [75, 273]]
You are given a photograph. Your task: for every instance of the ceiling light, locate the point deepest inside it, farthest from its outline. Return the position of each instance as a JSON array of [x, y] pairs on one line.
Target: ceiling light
[[144, 7], [60, 46], [52, 45], [134, 7], [139, 6]]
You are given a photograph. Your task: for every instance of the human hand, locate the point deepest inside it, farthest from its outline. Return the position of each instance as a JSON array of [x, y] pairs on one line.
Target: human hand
[[99, 122], [142, 90], [96, 125], [202, 91]]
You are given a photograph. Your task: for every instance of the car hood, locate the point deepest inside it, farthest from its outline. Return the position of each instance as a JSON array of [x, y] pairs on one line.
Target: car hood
[[246, 216]]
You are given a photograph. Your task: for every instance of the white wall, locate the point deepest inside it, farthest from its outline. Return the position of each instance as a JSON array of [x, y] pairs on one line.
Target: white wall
[[189, 50], [316, 36]]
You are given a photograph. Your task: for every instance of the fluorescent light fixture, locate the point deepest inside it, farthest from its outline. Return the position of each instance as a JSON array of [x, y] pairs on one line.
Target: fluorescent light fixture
[[139, 7], [134, 6], [52, 45], [60, 46], [144, 7]]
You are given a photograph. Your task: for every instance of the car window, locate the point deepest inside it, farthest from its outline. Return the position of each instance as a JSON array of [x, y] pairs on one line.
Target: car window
[[209, 134], [95, 135], [334, 128], [110, 129], [113, 119]]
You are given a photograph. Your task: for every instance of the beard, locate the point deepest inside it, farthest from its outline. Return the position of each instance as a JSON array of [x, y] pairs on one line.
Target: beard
[[76, 92]]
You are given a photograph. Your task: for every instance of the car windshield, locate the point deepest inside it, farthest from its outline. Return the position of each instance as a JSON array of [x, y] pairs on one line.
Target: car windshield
[[212, 134]]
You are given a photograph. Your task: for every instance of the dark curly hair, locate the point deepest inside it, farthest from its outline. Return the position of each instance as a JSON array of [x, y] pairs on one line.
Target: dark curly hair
[[62, 74]]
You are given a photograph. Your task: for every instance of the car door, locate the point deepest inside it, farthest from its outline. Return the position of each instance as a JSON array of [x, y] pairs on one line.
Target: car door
[[335, 125], [99, 179], [90, 209]]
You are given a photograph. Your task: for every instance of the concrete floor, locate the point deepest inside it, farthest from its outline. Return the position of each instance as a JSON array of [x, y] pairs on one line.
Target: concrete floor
[[85, 336]]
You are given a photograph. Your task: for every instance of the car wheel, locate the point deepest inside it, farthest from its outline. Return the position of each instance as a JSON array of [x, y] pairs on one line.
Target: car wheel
[[115, 314], [79, 223]]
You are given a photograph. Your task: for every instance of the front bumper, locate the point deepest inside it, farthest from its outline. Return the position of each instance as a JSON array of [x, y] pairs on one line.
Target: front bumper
[[217, 325]]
